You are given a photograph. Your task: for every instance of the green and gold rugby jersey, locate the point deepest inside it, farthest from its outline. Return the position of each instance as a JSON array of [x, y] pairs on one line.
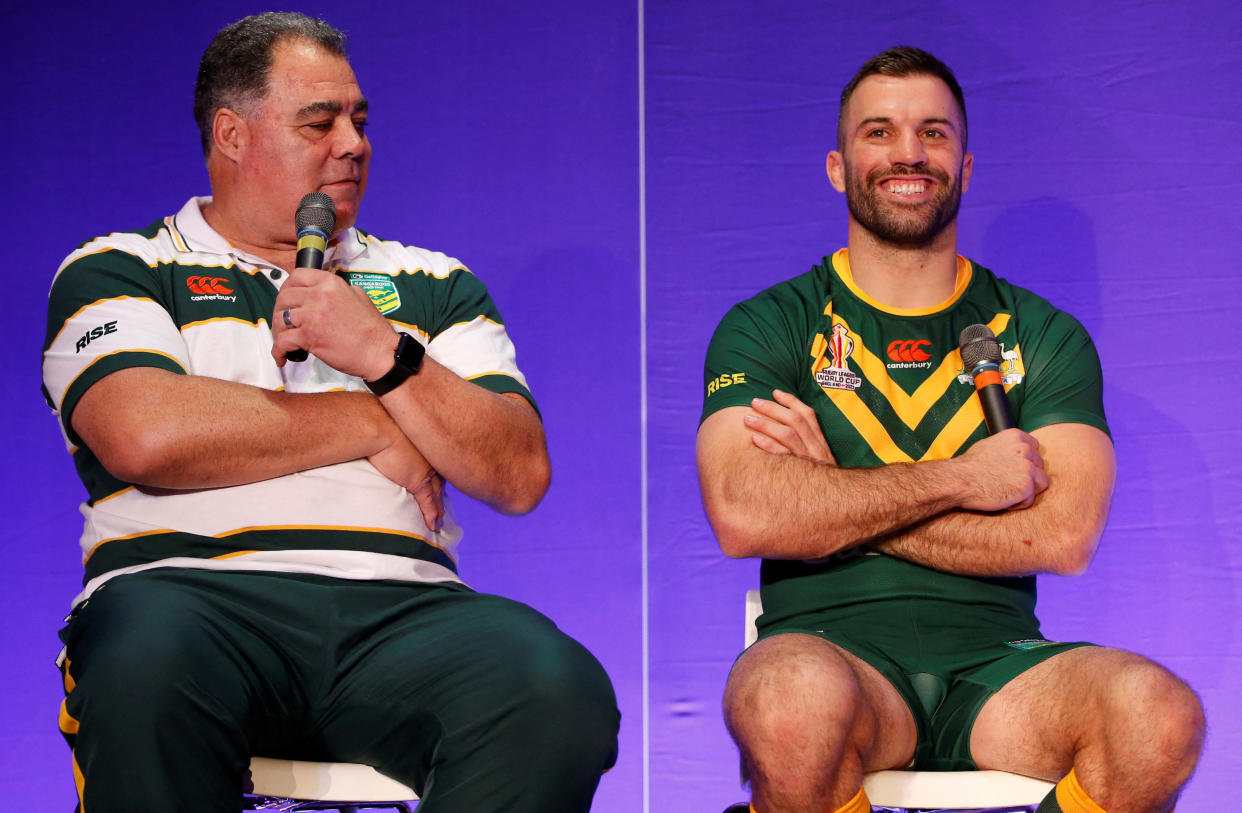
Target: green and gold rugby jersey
[[888, 386], [177, 296]]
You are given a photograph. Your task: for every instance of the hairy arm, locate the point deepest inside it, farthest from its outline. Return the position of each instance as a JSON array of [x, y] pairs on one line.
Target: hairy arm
[[156, 428], [1057, 534], [153, 427], [488, 445], [802, 506]]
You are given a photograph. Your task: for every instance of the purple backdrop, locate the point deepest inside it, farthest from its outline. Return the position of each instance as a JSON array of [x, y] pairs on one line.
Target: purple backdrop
[[513, 137]]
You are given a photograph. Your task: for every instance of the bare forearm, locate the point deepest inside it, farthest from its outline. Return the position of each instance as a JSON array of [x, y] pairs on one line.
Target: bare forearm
[[156, 428], [1010, 543], [1058, 533], [488, 446], [786, 507]]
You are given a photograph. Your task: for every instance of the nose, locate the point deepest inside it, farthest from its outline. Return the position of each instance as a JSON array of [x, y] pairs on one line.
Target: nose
[[909, 149], [348, 140]]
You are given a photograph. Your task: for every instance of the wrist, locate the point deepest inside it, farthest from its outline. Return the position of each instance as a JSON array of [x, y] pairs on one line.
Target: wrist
[[406, 360], [949, 484], [380, 361]]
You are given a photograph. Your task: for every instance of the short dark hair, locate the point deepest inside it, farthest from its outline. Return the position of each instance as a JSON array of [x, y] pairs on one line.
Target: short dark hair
[[234, 69], [902, 61]]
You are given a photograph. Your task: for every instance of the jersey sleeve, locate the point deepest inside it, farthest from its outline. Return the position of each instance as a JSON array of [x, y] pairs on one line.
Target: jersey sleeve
[[106, 311], [750, 354], [469, 337], [1063, 379]]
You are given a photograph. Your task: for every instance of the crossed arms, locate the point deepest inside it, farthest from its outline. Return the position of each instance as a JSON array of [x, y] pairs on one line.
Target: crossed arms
[[153, 427], [1013, 504]]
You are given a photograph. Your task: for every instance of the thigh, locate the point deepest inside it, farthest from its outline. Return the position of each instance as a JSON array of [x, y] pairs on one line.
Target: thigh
[[1034, 724], [167, 670], [466, 696], [811, 680]]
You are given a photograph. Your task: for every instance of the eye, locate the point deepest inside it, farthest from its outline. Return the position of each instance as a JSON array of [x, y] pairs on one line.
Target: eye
[[361, 125], [877, 132], [932, 132]]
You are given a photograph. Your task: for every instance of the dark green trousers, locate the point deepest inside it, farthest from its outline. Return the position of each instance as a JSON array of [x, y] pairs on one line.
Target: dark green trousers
[[176, 678]]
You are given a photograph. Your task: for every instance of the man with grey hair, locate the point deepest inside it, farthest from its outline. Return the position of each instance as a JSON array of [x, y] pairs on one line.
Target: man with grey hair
[[270, 558]]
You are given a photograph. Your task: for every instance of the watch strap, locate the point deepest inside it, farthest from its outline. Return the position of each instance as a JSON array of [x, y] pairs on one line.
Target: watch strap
[[407, 360]]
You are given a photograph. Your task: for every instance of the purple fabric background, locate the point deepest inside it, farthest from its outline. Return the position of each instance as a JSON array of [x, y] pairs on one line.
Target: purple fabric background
[[514, 137]]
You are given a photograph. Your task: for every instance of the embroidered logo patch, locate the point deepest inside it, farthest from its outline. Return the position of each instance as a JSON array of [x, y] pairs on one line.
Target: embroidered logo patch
[[380, 288], [1011, 368], [838, 375]]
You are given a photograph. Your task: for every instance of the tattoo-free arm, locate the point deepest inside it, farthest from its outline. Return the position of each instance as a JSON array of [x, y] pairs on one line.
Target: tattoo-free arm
[[1057, 534], [489, 446], [153, 427], [786, 506]]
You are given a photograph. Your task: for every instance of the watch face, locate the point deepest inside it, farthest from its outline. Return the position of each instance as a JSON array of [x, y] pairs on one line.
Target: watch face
[[409, 353]]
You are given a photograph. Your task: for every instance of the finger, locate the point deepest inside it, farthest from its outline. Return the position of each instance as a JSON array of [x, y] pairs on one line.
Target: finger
[[768, 408], [1040, 479], [805, 421], [779, 432], [429, 506], [768, 445], [787, 399], [284, 341], [303, 277]]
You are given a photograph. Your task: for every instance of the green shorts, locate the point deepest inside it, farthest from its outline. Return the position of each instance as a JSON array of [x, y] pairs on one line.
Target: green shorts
[[945, 659]]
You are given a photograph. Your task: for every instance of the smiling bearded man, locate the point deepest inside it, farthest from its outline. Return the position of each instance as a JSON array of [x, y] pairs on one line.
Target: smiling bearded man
[[899, 539]]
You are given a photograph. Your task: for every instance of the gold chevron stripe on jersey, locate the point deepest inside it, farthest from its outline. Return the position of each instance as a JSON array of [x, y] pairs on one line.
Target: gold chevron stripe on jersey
[[910, 408]]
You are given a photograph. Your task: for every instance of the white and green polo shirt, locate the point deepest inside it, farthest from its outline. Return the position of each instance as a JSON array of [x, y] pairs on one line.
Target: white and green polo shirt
[[177, 296]]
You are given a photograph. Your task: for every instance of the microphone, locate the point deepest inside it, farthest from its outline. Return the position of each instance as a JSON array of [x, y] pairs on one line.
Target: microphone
[[981, 355], [315, 221]]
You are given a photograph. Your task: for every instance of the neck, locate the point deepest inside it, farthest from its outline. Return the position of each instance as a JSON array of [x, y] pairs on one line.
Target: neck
[[904, 277], [235, 227]]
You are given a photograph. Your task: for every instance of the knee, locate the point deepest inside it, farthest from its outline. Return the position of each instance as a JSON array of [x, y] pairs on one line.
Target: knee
[[560, 696], [1163, 712], [786, 691]]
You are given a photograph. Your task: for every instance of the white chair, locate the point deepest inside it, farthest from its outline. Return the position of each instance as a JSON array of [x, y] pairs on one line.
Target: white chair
[[911, 791], [287, 784]]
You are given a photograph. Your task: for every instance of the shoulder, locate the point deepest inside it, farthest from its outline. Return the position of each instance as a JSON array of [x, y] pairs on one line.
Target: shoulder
[[147, 247], [1032, 313], [395, 257], [792, 302]]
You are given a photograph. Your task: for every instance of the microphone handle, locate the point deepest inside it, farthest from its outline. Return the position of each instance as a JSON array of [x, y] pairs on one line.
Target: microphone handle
[[310, 255], [995, 408]]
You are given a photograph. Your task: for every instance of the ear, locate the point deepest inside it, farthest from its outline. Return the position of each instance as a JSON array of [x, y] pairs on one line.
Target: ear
[[968, 163], [230, 133], [836, 170]]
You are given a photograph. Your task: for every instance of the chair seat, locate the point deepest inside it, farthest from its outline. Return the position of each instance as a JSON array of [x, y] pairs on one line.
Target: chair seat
[[325, 781], [953, 789]]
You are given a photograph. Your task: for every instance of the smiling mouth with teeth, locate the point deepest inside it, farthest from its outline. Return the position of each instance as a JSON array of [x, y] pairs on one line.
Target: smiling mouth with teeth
[[907, 188]]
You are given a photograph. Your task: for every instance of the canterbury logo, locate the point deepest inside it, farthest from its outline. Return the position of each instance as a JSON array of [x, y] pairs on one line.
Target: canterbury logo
[[208, 285], [908, 350]]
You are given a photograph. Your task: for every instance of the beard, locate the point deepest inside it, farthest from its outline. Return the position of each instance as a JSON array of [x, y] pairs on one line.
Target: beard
[[908, 226]]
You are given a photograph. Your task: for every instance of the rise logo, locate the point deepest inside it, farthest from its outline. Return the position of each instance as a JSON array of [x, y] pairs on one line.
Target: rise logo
[[93, 334]]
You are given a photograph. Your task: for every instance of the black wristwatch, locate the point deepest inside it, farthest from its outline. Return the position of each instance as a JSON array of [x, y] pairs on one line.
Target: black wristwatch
[[407, 359]]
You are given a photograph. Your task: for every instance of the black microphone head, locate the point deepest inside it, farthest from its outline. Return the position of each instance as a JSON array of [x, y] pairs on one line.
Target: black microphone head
[[316, 211], [979, 346]]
